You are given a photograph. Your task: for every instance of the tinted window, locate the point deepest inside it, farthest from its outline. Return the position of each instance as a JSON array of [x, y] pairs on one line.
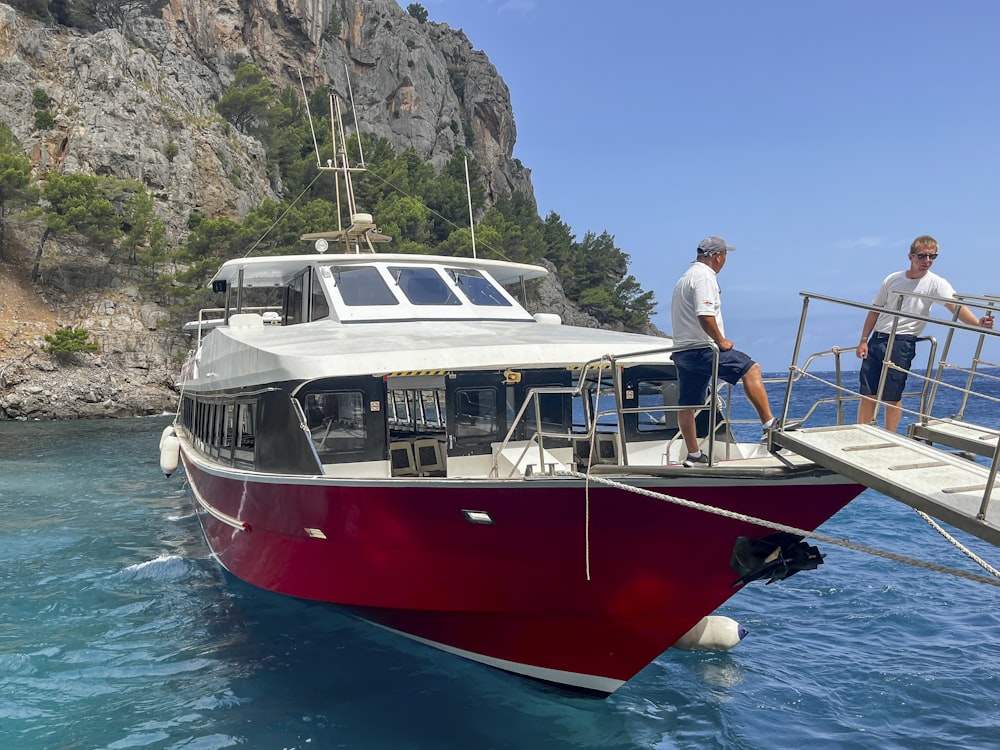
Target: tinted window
[[319, 308], [476, 413], [478, 288], [336, 421], [424, 286], [362, 285]]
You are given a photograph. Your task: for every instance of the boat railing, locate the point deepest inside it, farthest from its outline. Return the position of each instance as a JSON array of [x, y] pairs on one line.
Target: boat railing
[[933, 379], [593, 372], [213, 317], [842, 395]]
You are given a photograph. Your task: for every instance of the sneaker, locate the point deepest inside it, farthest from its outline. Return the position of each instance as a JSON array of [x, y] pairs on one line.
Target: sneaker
[[702, 460], [781, 426]]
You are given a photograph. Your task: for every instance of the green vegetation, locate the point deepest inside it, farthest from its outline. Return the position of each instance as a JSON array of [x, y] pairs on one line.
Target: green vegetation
[[89, 15], [105, 213], [43, 118], [41, 99], [66, 342], [16, 190], [423, 210], [417, 11], [335, 27]]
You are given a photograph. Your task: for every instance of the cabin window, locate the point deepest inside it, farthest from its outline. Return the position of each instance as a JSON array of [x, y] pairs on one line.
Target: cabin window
[[243, 453], [400, 407], [478, 288], [416, 410], [424, 286], [319, 307], [362, 285], [336, 422], [554, 409], [476, 413], [431, 402], [653, 396], [294, 293]]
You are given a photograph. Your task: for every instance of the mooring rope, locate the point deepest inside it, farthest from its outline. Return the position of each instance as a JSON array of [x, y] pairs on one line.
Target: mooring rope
[[961, 547], [790, 529]]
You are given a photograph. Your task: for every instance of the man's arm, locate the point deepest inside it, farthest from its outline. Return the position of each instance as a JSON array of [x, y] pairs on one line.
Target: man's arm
[[866, 331], [967, 316], [711, 326]]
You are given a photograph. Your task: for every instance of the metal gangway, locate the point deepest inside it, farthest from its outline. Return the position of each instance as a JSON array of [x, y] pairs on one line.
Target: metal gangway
[[942, 466]]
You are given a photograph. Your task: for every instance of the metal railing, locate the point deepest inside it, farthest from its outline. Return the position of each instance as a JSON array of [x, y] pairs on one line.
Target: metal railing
[[933, 379], [586, 382]]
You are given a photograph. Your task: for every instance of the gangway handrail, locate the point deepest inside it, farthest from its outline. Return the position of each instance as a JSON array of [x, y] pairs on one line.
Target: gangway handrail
[[987, 302]]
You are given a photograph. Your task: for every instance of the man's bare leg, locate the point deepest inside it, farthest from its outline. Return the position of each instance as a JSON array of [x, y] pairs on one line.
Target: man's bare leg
[[686, 423], [866, 410], [753, 386], [893, 411]]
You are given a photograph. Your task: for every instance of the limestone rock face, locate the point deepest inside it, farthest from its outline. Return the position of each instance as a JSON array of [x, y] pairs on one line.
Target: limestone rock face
[[139, 103], [142, 106]]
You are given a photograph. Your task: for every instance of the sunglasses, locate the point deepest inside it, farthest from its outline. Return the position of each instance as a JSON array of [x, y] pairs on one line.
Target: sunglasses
[[925, 256]]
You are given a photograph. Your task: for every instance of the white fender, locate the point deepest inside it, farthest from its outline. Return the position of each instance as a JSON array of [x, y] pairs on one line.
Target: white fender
[[170, 452], [167, 432], [712, 633]]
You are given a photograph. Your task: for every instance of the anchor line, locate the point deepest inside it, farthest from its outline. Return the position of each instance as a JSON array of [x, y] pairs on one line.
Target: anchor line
[[847, 544]]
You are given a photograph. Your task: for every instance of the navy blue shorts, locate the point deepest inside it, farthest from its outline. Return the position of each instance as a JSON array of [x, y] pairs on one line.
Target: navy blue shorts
[[903, 350], [694, 371]]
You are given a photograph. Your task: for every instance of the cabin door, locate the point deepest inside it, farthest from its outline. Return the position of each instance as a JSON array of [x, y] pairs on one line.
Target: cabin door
[[476, 412]]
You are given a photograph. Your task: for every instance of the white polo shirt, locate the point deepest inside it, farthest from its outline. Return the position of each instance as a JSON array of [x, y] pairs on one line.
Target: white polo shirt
[[696, 293], [888, 296]]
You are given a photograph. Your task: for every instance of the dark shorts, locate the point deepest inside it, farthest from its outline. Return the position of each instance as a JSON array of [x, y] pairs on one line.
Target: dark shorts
[[694, 371], [903, 350]]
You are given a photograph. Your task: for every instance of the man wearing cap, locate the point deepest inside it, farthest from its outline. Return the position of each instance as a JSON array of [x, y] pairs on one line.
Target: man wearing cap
[[696, 313]]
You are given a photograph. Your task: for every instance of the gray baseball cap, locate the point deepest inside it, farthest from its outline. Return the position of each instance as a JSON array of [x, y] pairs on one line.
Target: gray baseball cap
[[713, 246]]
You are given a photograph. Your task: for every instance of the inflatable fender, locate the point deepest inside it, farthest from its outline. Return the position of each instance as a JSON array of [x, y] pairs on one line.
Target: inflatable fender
[[712, 633], [170, 451]]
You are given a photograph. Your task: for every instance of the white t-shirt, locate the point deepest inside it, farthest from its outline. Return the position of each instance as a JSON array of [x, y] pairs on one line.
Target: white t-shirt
[[696, 293], [888, 296]]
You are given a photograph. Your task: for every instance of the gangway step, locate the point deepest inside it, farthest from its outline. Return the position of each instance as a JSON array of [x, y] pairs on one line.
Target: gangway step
[[942, 484], [962, 436]]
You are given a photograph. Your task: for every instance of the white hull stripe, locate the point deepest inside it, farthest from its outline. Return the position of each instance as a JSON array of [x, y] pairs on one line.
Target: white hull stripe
[[215, 512], [576, 679]]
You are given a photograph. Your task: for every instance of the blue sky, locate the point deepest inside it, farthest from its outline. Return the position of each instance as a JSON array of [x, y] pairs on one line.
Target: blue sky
[[819, 138]]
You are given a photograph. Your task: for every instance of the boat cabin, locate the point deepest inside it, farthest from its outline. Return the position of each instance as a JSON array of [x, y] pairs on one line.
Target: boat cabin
[[416, 366]]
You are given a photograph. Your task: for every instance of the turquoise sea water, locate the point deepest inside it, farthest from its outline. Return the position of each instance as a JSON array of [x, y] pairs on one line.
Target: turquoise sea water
[[117, 630]]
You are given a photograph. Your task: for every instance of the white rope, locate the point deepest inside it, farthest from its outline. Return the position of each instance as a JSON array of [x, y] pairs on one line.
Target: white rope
[[781, 527], [961, 547]]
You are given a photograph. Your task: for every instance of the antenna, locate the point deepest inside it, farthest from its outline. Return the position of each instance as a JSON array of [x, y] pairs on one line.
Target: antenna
[[468, 193], [354, 111], [309, 115]]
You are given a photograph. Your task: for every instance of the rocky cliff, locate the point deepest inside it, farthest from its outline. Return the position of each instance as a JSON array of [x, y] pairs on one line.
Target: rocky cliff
[[140, 105]]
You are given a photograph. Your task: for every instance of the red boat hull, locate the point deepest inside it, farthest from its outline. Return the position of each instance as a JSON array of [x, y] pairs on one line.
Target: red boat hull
[[578, 587]]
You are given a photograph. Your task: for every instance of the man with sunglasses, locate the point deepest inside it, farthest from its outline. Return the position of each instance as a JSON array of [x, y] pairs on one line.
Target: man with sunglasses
[[917, 280]]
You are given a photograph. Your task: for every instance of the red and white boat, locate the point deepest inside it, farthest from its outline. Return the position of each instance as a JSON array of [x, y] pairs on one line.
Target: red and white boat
[[397, 435]]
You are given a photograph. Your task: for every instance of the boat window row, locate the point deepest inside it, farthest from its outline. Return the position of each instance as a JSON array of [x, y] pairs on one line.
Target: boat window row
[[305, 298], [360, 419], [223, 430], [366, 286]]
